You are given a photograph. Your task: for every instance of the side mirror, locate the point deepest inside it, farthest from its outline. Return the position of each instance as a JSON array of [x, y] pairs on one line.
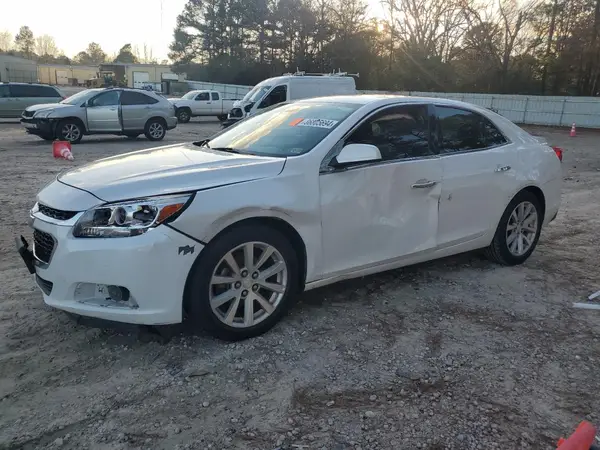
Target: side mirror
[[356, 154]]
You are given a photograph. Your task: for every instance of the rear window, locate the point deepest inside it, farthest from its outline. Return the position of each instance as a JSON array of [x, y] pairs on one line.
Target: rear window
[[136, 98], [24, 90], [289, 130]]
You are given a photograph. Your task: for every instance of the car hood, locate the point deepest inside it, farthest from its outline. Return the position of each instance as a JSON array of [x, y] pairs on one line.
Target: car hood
[[168, 170], [43, 106]]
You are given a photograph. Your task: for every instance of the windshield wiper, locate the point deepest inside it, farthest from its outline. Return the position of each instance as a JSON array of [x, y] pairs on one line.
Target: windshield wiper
[[202, 143], [226, 149]]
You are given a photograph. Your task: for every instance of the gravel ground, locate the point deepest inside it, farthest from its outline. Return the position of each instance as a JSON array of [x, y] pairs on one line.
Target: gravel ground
[[453, 354]]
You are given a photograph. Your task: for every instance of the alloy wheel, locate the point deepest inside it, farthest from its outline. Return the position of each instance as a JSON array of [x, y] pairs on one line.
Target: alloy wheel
[[248, 284], [156, 130], [522, 228], [71, 132]]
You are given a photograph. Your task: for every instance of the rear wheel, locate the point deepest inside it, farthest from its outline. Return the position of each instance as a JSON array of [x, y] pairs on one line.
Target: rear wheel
[[518, 232], [69, 130], [155, 129], [183, 116], [243, 283]]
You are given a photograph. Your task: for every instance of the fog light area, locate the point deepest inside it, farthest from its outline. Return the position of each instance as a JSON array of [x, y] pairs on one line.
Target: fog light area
[[106, 295]]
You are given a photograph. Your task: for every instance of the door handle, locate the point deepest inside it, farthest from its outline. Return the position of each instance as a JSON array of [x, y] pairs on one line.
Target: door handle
[[502, 169], [112, 109], [208, 103], [421, 184]]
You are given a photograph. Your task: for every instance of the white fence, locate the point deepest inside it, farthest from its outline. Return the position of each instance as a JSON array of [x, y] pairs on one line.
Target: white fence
[[229, 91], [529, 109], [524, 109]]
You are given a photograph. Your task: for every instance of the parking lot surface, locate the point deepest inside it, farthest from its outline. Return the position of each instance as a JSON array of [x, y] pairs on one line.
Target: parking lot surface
[[454, 354]]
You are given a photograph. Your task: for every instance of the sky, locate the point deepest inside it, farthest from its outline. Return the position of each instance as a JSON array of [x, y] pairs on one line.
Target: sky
[[111, 23]]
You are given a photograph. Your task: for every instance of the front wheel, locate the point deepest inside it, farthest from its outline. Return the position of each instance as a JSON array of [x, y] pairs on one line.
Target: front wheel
[[155, 130], [183, 116], [222, 117], [518, 232], [70, 131], [243, 283]]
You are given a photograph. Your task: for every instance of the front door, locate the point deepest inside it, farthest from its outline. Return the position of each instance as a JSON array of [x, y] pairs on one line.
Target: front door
[[202, 105], [478, 165], [385, 210], [103, 113]]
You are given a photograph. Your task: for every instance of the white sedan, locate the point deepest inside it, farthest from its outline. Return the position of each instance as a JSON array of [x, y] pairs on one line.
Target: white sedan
[[226, 232]]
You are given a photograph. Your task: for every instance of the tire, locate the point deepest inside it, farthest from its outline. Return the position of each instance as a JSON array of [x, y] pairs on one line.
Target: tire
[[222, 117], [69, 130], [183, 115], [200, 290], [132, 135], [504, 248], [155, 129]]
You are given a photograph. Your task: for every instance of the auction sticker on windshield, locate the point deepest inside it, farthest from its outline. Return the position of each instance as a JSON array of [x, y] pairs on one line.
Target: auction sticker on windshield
[[316, 123]]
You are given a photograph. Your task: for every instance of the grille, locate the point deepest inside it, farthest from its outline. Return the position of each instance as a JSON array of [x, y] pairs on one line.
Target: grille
[[45, 285], [43, 245], [28, 113], [56, 213], [236, 112]]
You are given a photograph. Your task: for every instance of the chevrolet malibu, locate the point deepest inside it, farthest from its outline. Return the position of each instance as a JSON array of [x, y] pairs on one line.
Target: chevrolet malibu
[[225, 232]]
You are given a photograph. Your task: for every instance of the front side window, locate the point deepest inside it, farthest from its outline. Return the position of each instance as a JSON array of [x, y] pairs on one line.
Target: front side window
[[106, 99], [400, 132], [203, 96], [277, 95], [289, 130], [462, 130], [214, 95], [256, 93]]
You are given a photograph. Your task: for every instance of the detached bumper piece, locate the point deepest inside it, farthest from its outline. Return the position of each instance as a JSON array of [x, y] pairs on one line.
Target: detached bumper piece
[[38, 126], [25, 253]]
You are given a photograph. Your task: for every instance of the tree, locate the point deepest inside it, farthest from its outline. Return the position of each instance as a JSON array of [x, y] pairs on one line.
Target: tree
[[126, 55], [46, 46], [145, 56], [6, 41], [25, 42], [96, 54]]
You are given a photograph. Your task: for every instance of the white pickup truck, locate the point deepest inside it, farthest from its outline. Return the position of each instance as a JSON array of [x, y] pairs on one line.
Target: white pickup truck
[[202, 103]]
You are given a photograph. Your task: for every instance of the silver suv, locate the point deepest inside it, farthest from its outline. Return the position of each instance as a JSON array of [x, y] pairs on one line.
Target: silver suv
[[15, 97], [121, 111]]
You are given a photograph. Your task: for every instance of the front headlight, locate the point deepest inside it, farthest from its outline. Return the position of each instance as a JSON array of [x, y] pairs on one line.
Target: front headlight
[[130, 218], [42, 114]]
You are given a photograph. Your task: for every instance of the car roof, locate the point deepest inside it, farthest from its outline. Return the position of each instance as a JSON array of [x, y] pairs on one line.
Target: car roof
[[377, 100], [26, 84]]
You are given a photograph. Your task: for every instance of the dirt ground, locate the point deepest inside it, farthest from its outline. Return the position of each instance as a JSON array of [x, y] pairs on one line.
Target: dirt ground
[[454, 354]]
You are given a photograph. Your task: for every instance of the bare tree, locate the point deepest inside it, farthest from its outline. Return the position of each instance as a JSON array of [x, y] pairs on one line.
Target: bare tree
[[6, 41], [46, 46]]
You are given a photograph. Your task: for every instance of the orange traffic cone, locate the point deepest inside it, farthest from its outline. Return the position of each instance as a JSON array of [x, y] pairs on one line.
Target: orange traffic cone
[[581, 439], [573, 132], [62, 149]]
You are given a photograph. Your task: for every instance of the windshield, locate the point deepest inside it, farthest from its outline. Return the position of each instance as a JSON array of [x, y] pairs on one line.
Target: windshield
[[256, 94], [289, 130], [78, 98], [190, 95]]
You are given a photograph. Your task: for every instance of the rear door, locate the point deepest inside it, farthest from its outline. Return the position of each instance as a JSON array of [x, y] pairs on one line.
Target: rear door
[[217, 105], [103, 112], [479, 174], [6, 102], [136, 108]]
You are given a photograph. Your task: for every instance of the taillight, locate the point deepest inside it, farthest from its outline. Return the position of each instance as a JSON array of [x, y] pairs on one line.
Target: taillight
[[559, 152]]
